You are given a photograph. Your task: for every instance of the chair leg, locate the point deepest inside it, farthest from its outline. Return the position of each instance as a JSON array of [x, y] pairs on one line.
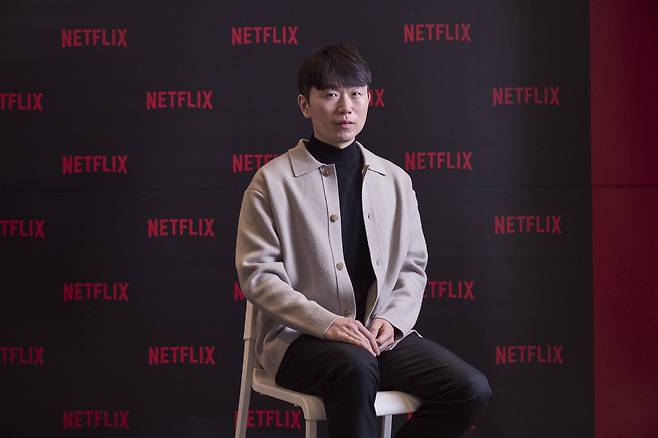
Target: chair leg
[[245, 391], [387, 425], [243, 410], [311, 429]]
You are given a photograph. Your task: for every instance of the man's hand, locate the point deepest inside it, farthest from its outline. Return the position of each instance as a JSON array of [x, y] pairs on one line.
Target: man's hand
[[353, 332], [383, 332]]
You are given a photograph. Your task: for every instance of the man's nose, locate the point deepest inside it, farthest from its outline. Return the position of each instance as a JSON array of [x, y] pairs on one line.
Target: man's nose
[[345, 105]]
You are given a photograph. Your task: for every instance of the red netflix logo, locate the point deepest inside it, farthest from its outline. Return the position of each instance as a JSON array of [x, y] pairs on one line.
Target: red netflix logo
[[181, 354], [522, 354], [202, 227], [23, 228], [458, 32], [95, 292], [438, 160], [96, 419], [200, 99], [94, 164], [250, 162], [32, 355], [450, 289], [527, 224], [21, 101], [278, 35], [94, 37], [526, 95], [271, 418], [238, 295], [376, 97]]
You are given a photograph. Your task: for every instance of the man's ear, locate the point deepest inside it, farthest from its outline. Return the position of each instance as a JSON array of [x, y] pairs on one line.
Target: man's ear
[[304, 106]]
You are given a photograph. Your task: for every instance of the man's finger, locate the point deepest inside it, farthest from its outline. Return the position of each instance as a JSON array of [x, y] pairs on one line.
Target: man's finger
[[375, 326], [370, 337], [366, 340], [387, 344], [384, 341], [359, 340], [385, 332]]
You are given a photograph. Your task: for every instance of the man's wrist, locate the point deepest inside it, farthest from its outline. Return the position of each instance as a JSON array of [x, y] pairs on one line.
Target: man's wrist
[[324, 332]]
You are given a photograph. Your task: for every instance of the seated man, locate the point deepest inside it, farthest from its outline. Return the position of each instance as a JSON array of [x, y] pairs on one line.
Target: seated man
[[331, 250]]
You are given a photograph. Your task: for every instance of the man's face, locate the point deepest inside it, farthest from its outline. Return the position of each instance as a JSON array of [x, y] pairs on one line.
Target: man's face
[[337, 113]]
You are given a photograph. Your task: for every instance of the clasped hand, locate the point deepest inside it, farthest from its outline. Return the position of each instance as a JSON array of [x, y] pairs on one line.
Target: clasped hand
[[376, 338]]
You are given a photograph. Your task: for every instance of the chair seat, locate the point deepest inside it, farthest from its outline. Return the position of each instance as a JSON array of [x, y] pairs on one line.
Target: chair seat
[[386, 402]]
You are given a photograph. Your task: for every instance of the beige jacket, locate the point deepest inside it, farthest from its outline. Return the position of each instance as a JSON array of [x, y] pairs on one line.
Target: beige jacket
[[289, 250]]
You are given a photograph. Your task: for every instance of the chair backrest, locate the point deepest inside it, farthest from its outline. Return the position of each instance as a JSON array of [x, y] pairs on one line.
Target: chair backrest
[[250, 322], [249, 362]]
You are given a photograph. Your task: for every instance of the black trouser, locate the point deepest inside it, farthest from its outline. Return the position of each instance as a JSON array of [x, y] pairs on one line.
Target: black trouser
[[347, 377]]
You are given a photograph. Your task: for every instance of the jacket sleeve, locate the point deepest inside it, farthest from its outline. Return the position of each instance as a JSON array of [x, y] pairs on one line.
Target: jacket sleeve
[[262, 275], [406, 298]]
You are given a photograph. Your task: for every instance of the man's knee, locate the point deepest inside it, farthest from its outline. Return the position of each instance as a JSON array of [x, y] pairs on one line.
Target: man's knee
[[470, 393], [476, 392], [480, 389], [359, 368]]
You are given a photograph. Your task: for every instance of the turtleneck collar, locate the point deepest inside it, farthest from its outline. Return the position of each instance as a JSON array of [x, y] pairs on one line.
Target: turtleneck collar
[[329, 154]]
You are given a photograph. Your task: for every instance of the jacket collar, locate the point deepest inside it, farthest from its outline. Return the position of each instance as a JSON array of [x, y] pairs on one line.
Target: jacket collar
[[303, 162]]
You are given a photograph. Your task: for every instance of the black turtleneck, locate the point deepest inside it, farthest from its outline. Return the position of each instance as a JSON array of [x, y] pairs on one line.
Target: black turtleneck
[[349, 165]]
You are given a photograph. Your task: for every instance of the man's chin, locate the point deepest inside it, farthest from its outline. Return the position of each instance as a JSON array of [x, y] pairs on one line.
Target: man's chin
[[343, 139], [348, 136]]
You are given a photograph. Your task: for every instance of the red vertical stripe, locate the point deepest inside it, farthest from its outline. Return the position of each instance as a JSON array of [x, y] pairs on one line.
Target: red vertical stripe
[[624, 93]]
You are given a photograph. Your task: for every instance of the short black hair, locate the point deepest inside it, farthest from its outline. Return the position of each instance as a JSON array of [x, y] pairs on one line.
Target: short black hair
[[339, 65]]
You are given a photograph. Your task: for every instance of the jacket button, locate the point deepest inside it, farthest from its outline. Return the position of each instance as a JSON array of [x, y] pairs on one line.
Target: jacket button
[[377, 262], [347, 312], [333, 217], [339, 266], [368, 215], [326, 172]]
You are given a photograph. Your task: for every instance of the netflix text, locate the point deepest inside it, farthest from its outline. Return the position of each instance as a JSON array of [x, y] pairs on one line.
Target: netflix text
[[200, 227], [528, 224], [250, 162], [438, 160], [95, 419], [181, 354], [20, 355], [524, 95], [100, 291], [21, 102], [176, 99], [23, 228], [526, 354], [274, 35], [94, 164], [455, 32], [94, 37]]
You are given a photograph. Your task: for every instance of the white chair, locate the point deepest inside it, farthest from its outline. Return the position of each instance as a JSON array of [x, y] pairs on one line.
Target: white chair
[[387, 403]]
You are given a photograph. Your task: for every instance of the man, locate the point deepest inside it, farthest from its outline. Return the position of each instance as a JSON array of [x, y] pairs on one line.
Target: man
[[331, 250]]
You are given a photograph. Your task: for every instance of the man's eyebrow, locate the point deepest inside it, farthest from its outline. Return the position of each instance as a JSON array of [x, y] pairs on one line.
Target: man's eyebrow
[[338, 87]]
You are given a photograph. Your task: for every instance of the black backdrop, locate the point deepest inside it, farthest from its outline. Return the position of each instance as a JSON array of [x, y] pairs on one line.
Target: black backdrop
[[81, 366]]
